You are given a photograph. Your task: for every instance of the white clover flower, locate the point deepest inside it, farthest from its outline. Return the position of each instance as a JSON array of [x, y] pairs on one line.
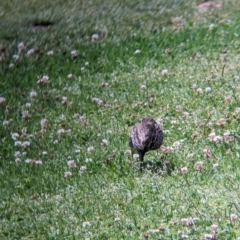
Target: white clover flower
[[109, 131], [137, 51], [227, 136], [166, 131], [186, 114], [28, 105], [38, 162], [211, 26], [206, 236], [153, 231], [217, 139], [76, 115], [33, 94], [97, 100], [215, 165], [184, 236], [212, 136], [88, 160], [61, 131], [135, 155], [71, 164], [50, 53], [21, 47], [146, 104], [128, 152], [117, 219], [194, 86], [184, 170], [86, 224], [64, 100], [104, 84], [5, 123], [15, 136], [143, 87], [199, 90], [82, 118], [17, 160], [55, 141], [17, 154], [214, 228], [104, 142], [94, 99], [233, 217], [187, 221], [207, 152], [2, 100], [17, 143], [43, 122], [227, 133], [199, 165], [83, 168], [69, 75], [164, 72], [58, 197], [25, 144], [221, 122], [95, 37], [43, 79], [100, 102], [28, 160], [30, 52], [25, 114], [208, 89], [24, 130], [67, 174], [237, 110], [69, 131], [90, 149], [15, 57], [74, 53], [190, 155], [44, 153], [176, 144]]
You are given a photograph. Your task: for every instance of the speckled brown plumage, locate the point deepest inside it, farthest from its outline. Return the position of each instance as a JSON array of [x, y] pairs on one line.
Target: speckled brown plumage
[[146, 135]]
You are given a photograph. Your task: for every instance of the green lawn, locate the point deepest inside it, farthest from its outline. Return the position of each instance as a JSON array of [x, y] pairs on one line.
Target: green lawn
[[75, 76]]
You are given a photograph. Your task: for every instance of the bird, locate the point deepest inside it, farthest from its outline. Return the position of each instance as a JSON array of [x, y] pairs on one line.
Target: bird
[[146, 135]]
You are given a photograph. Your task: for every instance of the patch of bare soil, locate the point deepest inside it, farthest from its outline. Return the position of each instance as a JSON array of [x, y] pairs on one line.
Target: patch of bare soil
[[209, 5]]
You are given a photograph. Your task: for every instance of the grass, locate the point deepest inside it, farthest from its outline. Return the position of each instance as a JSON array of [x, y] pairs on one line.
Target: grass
[[85, 110]]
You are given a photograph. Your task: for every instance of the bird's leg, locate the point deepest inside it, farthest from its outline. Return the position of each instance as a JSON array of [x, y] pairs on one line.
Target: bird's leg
[[141, 156], [132, 151], [131, 146]]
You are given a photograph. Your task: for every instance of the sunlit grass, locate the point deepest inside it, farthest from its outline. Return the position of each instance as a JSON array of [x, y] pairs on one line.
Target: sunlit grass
[[75, 77]]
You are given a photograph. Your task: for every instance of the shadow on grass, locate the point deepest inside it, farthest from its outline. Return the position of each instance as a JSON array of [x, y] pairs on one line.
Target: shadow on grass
[[42, 23], [159, 167]]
